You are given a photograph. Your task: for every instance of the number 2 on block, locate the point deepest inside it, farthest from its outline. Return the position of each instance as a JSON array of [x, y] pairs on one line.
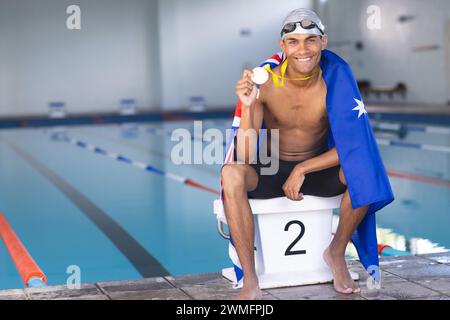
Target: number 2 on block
[[289, 251]]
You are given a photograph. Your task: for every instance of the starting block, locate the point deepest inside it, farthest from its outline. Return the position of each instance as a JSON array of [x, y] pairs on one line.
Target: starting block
[[128, 107], [57, 110], [290, 238]]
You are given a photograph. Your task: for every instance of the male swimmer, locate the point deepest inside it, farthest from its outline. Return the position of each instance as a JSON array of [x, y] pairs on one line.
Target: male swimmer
[[306, 167]]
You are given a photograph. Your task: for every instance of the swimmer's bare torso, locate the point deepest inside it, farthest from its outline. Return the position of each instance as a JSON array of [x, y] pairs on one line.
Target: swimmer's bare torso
[[300, 114]]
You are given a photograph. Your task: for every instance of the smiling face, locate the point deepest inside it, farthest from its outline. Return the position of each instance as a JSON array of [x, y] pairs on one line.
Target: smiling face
[[303, 51]]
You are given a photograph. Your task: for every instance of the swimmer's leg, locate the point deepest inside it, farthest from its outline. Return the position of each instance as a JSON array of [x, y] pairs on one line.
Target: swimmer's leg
[[237, 179], [334, 255]]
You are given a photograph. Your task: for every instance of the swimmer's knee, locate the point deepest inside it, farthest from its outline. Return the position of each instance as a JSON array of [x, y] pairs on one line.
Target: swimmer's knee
[[238, 179], [233, 174], [342, 177]]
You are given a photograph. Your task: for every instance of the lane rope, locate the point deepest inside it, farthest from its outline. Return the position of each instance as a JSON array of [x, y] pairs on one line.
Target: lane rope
[[380, 141], [137, 164], [410, 127], [412, 145]]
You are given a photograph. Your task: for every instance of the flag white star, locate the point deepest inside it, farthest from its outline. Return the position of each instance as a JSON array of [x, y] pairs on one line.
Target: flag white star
[[360, 107]]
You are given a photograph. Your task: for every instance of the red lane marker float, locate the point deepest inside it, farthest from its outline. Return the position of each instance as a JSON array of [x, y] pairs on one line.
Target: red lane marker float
[[381, 247], [198, 185], [97, 120], [25, 265], [404, 175]]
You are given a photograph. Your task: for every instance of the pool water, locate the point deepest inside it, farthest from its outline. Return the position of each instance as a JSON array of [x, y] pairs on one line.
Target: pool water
[[74, 207]]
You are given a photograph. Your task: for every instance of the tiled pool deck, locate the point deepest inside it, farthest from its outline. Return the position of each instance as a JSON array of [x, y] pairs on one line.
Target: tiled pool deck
[[407, 277]]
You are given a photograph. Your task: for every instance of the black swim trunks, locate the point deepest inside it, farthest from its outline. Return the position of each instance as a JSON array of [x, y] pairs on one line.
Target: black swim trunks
[[324, 183]]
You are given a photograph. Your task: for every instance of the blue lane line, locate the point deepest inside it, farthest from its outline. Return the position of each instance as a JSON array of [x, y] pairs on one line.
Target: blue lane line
[[138, 256], [405, 144], [416, 128]]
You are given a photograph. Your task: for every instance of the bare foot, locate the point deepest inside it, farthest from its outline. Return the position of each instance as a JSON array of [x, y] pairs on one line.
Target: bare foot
[[249, 293], [343, 282]]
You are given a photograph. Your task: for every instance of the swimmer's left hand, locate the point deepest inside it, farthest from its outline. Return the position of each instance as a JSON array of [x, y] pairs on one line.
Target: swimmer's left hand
[[293, 184]]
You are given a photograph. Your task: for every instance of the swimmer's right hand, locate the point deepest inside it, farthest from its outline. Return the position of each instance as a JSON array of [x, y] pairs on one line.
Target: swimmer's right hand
[[246, 89]]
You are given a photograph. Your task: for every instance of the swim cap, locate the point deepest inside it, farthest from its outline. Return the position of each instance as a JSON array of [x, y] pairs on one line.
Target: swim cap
[[302, 21]]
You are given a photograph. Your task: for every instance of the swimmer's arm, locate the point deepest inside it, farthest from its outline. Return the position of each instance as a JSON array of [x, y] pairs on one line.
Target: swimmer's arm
[[323, 161], [251, 122]]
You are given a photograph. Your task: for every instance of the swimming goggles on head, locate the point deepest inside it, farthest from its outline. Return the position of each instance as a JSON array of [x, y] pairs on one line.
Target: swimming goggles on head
[[306, 24]]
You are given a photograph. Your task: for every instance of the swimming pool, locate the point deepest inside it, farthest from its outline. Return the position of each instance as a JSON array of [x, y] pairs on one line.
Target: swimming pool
[[115, 221]]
